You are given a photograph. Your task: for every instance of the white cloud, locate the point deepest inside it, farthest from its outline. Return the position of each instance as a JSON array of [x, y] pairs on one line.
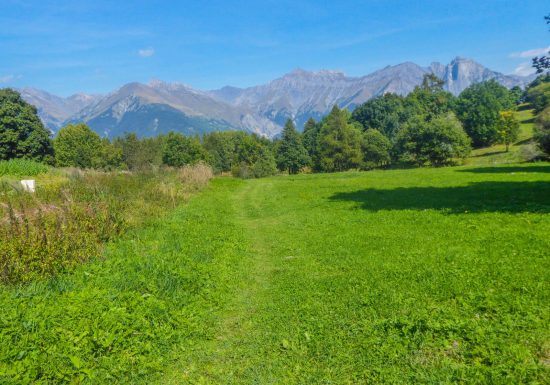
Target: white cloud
[[9, 78], [146, 52], [531, 52], [524, 69]]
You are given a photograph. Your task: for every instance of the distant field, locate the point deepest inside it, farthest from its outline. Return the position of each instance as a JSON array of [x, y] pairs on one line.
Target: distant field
[[405, 276]]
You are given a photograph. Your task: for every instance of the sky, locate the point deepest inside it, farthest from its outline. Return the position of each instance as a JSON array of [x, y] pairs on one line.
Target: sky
[[96, 46]]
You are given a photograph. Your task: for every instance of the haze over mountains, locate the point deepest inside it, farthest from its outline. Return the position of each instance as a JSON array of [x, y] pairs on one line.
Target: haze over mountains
[[158, 107]]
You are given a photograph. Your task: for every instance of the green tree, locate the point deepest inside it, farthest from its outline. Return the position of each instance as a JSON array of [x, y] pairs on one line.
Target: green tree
[[291, 154], [181, 150], [385, 113], [221, 147], [140, 154], [265, 165], [248, 148], [517, 94], [309, 137], [537, 93], [542, 130], [76, 145], [507, 128], [376, 148], [429, 99], [22, 134], [110, 157], [436, 142], [478, 108], [542, 64], [339, 143]]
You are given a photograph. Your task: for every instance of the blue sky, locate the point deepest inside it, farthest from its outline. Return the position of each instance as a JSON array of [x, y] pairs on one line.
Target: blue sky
[[96, 46]]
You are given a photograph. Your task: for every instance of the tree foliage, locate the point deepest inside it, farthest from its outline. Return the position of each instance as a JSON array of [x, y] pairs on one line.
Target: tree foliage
[[140, 154], [339, 143], [429, 99], [22, 134], [507, 128], [309, 137], [478, 108], [291, 154], [221, 147], [542, 130], [76, 145], [376, 148], [435, 142], [537, 93], [385, 113], [180, 150], [542, 64]]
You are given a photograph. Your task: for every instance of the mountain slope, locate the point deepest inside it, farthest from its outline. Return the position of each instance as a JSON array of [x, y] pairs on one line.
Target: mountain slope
[[461, 73], [300, 94], [157, 107], [54, 110]]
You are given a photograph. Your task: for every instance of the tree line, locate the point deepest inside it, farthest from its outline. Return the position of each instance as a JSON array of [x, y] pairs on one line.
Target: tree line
[[428, 127]]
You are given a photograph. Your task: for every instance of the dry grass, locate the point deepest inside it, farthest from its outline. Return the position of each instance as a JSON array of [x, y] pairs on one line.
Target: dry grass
[[197, 176], [67, 221]]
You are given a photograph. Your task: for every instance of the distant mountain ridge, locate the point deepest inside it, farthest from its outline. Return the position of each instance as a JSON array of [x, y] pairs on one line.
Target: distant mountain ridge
[[159, 107]]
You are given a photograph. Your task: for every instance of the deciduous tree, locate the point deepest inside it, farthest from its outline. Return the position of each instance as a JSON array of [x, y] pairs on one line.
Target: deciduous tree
[[181, 150], [376, 148], [436, 142], [22, 134], [507, 128], [76, 145]]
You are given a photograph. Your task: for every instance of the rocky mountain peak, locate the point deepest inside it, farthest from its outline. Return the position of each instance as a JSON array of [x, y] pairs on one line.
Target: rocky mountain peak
[[299, 95]]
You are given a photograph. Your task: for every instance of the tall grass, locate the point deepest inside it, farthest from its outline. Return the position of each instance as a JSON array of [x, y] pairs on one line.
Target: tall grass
[[65, 224], [22, 167]]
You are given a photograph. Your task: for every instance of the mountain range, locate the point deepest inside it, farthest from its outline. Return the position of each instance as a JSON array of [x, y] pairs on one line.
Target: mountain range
[[159, 107]]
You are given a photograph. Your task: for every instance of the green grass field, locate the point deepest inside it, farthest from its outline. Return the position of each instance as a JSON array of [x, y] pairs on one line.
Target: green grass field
[[401, 276], [523, 150]]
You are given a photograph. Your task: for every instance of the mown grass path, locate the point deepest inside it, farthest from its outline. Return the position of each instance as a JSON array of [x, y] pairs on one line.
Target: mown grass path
[[414, 276]]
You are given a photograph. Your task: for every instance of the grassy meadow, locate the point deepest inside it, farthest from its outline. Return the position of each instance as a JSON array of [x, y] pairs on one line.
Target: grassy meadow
[[399, 276], [430, 275]]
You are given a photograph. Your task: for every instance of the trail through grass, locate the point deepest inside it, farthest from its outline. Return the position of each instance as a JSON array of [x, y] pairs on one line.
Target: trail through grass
[[417, 276]]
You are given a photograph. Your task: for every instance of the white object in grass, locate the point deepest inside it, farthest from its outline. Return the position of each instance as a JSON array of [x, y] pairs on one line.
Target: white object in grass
[[28, 185]]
